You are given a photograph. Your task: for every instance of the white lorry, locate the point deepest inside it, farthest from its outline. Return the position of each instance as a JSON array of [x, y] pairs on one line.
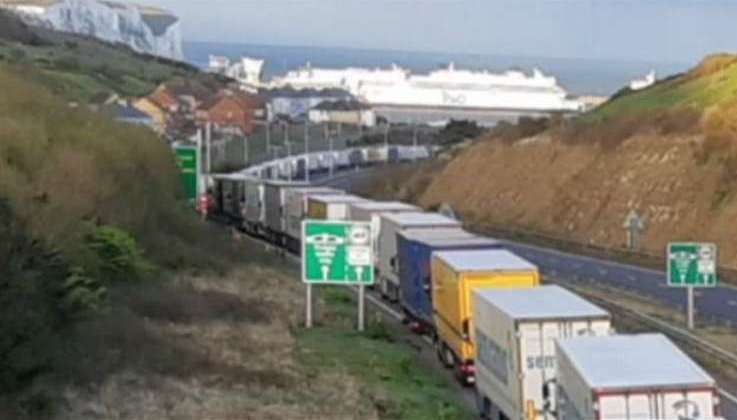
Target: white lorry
[[370, 211], [631, 377], [391, 224], [295, 210], [515, 333]]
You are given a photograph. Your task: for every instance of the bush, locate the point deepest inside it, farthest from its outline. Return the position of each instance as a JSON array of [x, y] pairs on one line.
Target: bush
[[83, 296], [119, 256], [30, 278]]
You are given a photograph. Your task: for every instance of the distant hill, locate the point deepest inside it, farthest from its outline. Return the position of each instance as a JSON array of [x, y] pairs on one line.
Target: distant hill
[[78, 67]]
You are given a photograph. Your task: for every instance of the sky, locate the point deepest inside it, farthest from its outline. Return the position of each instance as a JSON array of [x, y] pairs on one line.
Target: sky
[[662, 30]]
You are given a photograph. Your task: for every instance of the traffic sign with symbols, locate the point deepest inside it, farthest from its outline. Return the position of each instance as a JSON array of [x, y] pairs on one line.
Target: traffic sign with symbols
[[692, 264], [335, 252]]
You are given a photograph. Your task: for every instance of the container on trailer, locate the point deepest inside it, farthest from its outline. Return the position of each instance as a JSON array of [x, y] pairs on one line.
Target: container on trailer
[[356, 157], [455, 276], [414, 255], [370, 211], [330, 207], [274, 207], [253, 211], [631, 377], [515, 332], [342, 158], [228, 191], [296, 207], [390, 225]]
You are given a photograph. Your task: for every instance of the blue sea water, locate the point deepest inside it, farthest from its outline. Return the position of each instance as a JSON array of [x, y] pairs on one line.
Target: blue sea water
[[578, 76]]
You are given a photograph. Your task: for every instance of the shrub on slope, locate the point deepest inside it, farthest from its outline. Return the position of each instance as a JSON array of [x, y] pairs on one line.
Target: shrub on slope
[[66, 171]]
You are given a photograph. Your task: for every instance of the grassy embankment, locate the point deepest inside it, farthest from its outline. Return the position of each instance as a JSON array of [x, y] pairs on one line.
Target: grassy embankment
[[396, 382]]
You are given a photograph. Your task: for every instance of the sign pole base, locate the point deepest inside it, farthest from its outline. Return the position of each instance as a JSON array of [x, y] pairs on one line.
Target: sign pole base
[[690, 308], [308, 307], [361, 307]]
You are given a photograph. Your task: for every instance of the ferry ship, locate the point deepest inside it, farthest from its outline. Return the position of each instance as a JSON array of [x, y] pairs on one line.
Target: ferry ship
[[448, 88]]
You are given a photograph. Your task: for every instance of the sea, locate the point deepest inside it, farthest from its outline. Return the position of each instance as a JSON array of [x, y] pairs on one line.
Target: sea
[[579, 76]]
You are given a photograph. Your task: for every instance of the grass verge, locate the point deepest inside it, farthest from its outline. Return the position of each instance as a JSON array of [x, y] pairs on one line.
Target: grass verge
[[396, 381]]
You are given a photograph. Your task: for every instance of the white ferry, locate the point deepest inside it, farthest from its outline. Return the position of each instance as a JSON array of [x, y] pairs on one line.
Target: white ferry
[[447, 88]]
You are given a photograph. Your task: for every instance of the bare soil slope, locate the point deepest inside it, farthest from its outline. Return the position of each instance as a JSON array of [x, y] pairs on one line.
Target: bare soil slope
[[584, 192]]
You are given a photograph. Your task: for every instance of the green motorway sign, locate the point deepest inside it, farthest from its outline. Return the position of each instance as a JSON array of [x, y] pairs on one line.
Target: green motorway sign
[[188, 162], [336, 252], [692, 264]]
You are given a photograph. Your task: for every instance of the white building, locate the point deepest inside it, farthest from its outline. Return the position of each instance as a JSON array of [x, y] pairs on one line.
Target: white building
[[343, 112]]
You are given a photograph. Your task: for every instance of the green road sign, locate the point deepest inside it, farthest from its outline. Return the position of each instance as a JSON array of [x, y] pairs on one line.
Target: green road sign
[[188, 162], [692, 264], [337, 252]]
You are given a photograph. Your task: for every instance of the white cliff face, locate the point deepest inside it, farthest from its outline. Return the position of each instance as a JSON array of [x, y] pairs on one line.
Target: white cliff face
[[145, 30]]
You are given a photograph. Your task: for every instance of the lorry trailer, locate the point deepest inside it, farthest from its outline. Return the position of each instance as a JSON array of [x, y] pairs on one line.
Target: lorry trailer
[[295, 209], [631, 377], [414, 254], [370, 211], [392, 224], [330, 207], [275, 193], [515, 333], [455, 276]]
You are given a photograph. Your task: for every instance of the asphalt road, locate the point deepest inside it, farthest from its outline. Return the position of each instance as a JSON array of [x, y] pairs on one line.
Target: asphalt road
[[713, 304]]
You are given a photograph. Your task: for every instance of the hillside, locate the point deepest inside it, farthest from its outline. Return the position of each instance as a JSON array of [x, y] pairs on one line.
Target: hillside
[[80, 68], [669, 152]]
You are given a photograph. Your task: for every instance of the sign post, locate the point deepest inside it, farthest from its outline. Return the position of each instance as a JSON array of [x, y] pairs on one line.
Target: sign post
[[189, 167], [634, 225], [337, 253], [692, 265]]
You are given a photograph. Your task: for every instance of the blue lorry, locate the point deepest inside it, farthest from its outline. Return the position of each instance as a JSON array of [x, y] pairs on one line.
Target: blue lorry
[[414, 253]]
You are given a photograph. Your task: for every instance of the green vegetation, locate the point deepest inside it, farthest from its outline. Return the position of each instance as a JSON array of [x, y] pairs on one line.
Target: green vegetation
[[80, 68], [88, 208], [712, 83], [398, 384]]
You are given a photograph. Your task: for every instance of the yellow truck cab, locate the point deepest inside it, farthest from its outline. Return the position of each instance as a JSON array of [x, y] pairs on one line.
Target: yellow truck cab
[[455, 275]]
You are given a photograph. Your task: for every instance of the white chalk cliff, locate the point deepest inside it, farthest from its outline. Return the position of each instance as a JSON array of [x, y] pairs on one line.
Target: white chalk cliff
[[145, 29]]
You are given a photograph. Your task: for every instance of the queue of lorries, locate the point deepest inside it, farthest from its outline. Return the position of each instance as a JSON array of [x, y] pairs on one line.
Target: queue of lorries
[[532, 351]]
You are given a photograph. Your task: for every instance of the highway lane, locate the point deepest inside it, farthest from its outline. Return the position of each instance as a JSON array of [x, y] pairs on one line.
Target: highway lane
[[715, 304]]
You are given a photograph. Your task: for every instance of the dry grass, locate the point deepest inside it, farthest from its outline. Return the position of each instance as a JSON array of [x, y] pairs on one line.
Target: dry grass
[[221, 349]]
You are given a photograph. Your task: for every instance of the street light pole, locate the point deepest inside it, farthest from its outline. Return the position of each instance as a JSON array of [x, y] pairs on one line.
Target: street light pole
[[307, 151], [414, 141]]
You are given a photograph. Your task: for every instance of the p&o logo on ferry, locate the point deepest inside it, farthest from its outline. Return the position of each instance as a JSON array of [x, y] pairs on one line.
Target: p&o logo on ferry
[[450, 99]]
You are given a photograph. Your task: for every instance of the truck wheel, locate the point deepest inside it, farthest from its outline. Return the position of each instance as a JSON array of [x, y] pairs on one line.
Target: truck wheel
[[484, 406], [448, 357], [439, 352]]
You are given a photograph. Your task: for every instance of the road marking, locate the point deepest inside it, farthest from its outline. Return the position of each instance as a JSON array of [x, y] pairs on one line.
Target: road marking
[[728, 396], [631, 277], [732, 303], [603, 271]]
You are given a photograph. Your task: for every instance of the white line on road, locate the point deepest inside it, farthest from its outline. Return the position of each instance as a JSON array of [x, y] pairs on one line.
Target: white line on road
[[728, 396]]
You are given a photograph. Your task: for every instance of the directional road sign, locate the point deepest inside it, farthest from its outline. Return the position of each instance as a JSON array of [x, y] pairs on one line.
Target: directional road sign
[[692, 264], [188, 162], [336, 252]]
